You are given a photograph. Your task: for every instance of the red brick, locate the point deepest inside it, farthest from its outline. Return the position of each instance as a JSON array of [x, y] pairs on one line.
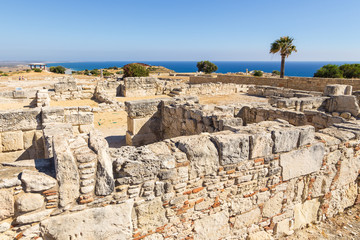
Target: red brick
[[196, 190]]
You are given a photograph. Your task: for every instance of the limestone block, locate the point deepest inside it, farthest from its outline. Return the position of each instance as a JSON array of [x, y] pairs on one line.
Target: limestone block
[[28, 139], [273, 205], [284, 227], [53, 114], [13, 156], [140, 125], [85, 118], [307, 135], [240, 205], [261, 235], [285, 139], [233, 148], [246, 219], [301, 162], [104, 173], [33, 217], [86, 128], [143, 108], [9, 182], [212, 227], [4, 226], [305, 213], [202, 154], [29, 202], [67, 173], [343, 103], [36, 181], [348, 173], [261, 144], [341, 199], [12, 141], [151, 214], [337, 89], [6, 203]]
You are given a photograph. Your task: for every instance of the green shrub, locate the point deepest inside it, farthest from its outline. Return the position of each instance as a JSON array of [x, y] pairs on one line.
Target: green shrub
[[206, 67], [58, 69], [135, 70], [95, 72], [28, 70], [5, 74], [258, 73], [106, 73], [276, 72], [1, 72], [114, 67], [350, 70], [119, 72], [329, 71], [37, 70]]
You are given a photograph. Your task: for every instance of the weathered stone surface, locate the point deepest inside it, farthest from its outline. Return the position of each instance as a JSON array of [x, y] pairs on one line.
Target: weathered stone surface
[[29, 202], [348, 173], [212, 227], [36, 181], [104, 174], [305, 213], [33, 216], [9, 182], [261, 144], [246, 219], [6, 203], [4, 227], [67, 173], [273, 205], [233, 148], [337, 89], [202, 154], [343, 103], [110, 222], [151, 214], [341, 199], [20, 120], [285, 139], [53, 115], [301, 162], [307, 135], [261, 235], [12, 141]]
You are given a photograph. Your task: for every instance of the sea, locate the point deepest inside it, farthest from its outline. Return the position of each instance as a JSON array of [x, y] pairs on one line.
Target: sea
[[292, 68]]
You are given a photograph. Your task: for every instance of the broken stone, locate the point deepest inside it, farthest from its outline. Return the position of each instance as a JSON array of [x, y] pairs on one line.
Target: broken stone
[[36, 181]]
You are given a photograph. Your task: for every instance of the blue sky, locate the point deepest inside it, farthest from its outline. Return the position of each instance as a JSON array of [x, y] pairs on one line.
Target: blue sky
[[89, 30]]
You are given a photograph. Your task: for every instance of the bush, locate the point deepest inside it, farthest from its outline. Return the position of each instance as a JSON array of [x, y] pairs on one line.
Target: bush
[[1, 72], [58, 69], [37, 70], [329, 71], [114, 67], [275, 72], [28, 70], [135, 70], [206, 67], [350, 70], [95, 72], [5, 75], [106, 73], [258, 73]]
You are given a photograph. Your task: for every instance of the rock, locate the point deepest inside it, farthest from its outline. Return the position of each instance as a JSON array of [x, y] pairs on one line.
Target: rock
[[4, 227], [110, 222], [343, 103], [151, 214], [6, 203], [284, 227], [12, 141], [261, 145], [301, 162], [345, 115], [233, 148], [337, 89], [335, 114], [285, 139], [341, 199], [105, 183], [273, 205], [248, 218], [202, 154], [212, 227], [67, 173], [307, 135], [262, 235], [33, 217], [305, 213], [10, 182], [36, 181], [29, 202]]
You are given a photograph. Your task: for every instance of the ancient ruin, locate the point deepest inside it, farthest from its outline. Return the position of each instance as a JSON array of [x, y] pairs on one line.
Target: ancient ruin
[[242, 170]]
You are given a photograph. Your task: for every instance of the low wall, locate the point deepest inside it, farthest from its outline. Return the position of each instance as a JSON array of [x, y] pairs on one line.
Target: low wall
[[21, 131], [300, 83]]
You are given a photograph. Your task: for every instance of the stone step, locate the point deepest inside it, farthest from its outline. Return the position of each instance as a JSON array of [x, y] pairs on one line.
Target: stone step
[[87, 182], [82, 151], [87, 165]]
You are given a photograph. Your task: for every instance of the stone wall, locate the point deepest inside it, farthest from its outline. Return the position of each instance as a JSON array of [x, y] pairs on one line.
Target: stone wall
[[68, 89], [265, 179], [21, 131], [300, 83]]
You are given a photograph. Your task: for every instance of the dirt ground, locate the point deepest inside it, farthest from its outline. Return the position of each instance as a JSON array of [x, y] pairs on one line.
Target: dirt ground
[[74, 103], [13, 104]]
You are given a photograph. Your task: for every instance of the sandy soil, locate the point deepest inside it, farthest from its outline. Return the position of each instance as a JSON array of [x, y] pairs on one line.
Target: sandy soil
[[124, 99], [12, 104], [233, 98]]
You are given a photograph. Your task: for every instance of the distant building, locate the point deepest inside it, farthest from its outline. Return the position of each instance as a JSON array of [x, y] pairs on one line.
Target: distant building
[[41, 66]]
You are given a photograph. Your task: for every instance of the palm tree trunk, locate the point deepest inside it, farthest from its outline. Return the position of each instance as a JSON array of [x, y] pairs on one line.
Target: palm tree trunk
[[282, 70]]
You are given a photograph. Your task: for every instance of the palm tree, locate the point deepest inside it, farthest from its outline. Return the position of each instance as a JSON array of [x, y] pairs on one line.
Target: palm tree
[[285, 47]]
